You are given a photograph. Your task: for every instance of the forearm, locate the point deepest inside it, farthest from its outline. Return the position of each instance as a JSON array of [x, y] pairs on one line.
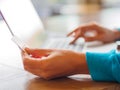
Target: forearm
[[104, 66], [82, 67], [117, 34]]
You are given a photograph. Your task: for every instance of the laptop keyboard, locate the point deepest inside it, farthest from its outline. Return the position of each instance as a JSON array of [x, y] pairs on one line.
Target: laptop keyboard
[[63, 43]]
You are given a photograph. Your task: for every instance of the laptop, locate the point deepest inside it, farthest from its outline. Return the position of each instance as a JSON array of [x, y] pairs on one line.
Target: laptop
[[24, 21]]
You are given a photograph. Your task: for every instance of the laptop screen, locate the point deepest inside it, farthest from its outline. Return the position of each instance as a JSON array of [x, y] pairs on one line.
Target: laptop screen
[[23, 21], [21, 17]]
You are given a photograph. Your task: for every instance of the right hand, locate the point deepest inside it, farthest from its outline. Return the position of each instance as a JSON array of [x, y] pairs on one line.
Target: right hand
[[93, 32], [55, 63]]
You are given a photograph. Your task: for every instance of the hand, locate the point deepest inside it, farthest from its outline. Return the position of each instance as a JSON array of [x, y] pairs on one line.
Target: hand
[[94, 32], [51, 63]]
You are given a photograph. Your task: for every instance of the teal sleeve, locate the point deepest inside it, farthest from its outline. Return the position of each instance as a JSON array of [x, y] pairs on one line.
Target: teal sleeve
[[104, 66], [118, 29]]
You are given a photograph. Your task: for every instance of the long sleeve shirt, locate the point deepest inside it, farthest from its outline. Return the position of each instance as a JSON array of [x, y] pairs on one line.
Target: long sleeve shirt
[[104, 66]]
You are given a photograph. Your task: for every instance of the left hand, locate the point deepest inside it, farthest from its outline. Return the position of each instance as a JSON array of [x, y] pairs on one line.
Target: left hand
[[56, 63], [94, 32]]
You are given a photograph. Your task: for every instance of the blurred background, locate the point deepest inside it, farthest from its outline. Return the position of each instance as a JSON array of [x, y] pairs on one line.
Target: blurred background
[[48, 8], [76, 12], [56, 7]]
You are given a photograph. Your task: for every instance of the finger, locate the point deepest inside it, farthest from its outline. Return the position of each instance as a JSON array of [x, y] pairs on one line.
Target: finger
[[72, 42], [69, 34], [75, 39], [23, 54], [33, 71], [88, 39], [32, 62], [92, 27], [83, 28], [38, 52]]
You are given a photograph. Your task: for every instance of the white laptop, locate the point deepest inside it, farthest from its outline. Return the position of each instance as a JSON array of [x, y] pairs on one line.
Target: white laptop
[[24, 21]]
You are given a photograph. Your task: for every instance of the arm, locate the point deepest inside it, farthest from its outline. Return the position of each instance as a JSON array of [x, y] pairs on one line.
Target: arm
[[104, 66], [117, 34], [58, 63]]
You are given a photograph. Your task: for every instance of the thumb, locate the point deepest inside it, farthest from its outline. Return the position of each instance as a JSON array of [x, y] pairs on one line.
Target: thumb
[[33, 52], [88, 39], [38, 53]]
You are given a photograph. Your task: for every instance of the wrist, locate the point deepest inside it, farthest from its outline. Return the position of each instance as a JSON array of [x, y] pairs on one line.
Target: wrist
[[117, 34], [82, 64]]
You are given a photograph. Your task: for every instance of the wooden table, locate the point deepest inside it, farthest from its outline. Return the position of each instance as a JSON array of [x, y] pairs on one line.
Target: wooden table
[[27, 81], [78, 82]]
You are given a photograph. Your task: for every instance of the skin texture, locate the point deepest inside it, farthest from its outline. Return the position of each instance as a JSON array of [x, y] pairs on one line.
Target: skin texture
[[51, 63], [94, 32]]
